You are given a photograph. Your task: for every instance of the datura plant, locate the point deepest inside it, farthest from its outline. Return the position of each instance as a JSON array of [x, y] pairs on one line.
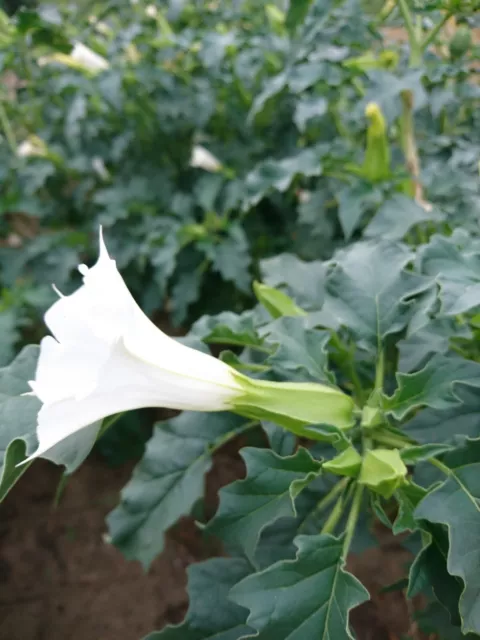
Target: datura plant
[[355, 385]]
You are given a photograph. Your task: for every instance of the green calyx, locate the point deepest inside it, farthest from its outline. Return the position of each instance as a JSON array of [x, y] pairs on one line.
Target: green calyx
[[383, 471], [347, 463], [295, 406]]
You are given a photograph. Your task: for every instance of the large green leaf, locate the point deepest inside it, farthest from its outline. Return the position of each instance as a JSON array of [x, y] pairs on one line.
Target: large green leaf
[[297, 12], [456, 268], [278, 174], [455, 505], [397, 216], [301, 353], [436, 425], [309, 597], [267, 494], [434, 386], [18, 417], [429, 569], [211, 615], [228, 328], [368, 290], [304, 281], [167, 482]]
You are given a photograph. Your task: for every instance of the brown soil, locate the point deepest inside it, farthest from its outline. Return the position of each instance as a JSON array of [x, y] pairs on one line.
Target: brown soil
[[60, 581]]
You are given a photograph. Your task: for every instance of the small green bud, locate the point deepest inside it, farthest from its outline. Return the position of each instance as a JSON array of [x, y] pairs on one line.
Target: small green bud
[[383, 471]]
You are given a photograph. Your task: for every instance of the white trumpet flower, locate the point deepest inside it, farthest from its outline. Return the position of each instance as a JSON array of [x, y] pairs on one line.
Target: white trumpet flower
[[203, 159], [106, 357]]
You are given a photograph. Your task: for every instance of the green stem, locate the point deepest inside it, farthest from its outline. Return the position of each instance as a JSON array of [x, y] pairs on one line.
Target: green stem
[[443, 467], [380, 371], [415, 50], [352, 519], [7, 128], [430, 37], [60, 488], [334, 517], [232, 434], [391, 440], [387, 10]]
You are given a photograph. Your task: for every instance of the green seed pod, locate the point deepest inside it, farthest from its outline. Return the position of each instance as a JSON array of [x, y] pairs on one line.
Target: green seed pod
[[461, 42]]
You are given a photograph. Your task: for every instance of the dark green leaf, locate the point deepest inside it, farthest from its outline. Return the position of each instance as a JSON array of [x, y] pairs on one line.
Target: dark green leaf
[[457, 269], [267, 494], [304, 281], [434, 386], [436, 425], [278, 174], [397, 216], [430, 569], [309, 108], [368, 290], [308, 597], [18, 417], [211, 615], [297, 12], [228, 328], [454, 504], [167, 482], [301, 353], [281, 441]]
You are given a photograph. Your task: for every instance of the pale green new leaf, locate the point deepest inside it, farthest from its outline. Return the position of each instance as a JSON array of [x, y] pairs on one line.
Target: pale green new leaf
[[309, 597]]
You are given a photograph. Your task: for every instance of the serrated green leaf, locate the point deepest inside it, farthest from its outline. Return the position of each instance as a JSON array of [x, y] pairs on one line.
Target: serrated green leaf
[[434, 386], [457, 269], [278, 174], [308, 597], [18, 417], [397, 216], [300, 353], [429, 570], [368, 288], [433, 337], [211, 615], [283, 442], [436, 620], [304, 281], [353, 202], [454, 504], [408, 497], [308, 108], [436, 425], [267, 494], [228, 328], [167, 482], [297, 12]]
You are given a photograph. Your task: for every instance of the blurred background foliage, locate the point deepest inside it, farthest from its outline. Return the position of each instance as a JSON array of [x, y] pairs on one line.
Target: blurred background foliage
[[206, 136]]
